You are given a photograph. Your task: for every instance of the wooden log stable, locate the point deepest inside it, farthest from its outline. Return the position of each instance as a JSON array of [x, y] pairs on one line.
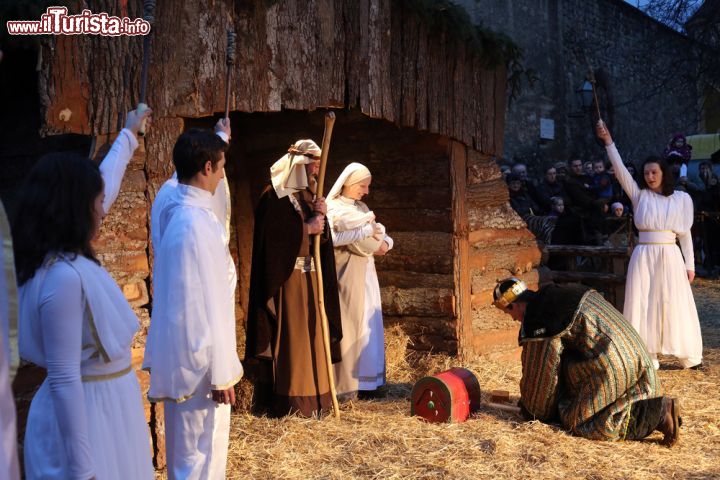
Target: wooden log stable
[[414, 102]]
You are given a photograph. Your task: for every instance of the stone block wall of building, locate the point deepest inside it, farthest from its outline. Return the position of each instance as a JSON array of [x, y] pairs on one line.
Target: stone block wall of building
[[644, 97]]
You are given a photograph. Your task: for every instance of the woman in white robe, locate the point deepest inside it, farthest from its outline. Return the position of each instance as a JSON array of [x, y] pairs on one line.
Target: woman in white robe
[[658, 299], [357, 238], [87, 419]]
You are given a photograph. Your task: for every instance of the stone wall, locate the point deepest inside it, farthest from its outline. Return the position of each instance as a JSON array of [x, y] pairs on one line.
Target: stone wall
[[644, 99]]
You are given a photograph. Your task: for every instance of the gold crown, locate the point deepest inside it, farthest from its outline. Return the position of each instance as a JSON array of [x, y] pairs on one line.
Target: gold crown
[[511, 294]]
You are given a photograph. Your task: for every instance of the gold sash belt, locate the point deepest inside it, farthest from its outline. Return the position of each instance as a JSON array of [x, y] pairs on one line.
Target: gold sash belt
[[107, 376], [657, 237]]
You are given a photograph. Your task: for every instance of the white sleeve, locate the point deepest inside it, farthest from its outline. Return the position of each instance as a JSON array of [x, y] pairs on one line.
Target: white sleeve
[[114, 164], [623, 176], [221, 203], [223, 136], [221, 197], [685, 237], [389, 241], [61, 321], [351, 236], [686, 245]]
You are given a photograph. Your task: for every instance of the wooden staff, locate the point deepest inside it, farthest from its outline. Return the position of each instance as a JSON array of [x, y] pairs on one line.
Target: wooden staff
[[149, 16], [230, 62], [329, 122]]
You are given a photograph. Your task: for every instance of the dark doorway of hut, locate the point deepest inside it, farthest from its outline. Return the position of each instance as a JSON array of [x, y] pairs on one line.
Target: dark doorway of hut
[[410, 194]]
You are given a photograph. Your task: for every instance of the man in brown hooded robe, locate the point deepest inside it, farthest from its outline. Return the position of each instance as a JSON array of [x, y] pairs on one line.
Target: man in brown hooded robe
[[284, 346]]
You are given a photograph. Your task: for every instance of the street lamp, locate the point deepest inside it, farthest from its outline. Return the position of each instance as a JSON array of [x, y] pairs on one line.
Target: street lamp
[[585, 100], [586, 95]]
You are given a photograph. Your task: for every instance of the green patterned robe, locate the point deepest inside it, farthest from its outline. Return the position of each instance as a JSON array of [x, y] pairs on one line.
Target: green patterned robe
[[590, 372]]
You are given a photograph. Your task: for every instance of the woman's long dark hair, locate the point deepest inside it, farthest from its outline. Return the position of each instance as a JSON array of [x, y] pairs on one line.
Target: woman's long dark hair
[[55, 211], [667, 187]]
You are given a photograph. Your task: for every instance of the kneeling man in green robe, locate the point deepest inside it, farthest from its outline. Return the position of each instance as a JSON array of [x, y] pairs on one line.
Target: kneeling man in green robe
[[584, 366]]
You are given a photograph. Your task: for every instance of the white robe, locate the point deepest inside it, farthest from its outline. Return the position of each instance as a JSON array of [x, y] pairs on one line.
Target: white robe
[[220, 202], [220, 206], [75, 425], [191, 346], [362, 346], [658, 299], [87, 419], [115, 163], [9, 466]]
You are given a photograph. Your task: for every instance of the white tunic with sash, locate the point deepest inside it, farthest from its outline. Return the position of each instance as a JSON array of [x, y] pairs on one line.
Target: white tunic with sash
[[87, 419], [658, 299], [191, 345]]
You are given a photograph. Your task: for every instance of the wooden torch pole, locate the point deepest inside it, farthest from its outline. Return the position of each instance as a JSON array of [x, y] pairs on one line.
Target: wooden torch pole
[[149, 16], [593, 82], [230, 62], [329, 123]]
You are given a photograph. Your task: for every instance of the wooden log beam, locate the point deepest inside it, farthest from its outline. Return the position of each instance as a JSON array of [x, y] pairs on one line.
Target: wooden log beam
[[566, 277], [461, 244], [491, 193], [424, 302], [515, 258], [586, 251], [416, 220], [402, 279]]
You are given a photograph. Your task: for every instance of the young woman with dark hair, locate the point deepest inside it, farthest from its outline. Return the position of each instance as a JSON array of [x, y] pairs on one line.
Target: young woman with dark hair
[[60, 210], [87, 419], [658, 299], [657, 176]]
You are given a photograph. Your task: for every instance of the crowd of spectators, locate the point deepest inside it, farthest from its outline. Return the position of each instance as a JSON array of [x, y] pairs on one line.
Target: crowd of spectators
[[579, 202]]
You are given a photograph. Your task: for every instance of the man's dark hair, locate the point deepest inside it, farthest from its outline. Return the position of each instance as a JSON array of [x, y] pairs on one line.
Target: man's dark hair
[[667, 187], [55, 211], [194, 149]]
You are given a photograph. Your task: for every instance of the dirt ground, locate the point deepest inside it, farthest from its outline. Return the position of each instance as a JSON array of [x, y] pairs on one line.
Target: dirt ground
[[379, 439]]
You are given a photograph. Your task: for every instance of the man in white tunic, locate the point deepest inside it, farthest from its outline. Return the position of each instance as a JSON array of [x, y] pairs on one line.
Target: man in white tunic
[[221, 196], [191, 350]]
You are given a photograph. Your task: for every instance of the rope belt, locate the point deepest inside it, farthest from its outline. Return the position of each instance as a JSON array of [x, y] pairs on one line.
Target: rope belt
[[305, 264], [657, 237], [107, 376]]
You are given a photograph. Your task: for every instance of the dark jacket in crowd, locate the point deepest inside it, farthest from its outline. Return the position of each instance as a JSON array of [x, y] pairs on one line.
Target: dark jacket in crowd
[[523, 203], [545, 191]]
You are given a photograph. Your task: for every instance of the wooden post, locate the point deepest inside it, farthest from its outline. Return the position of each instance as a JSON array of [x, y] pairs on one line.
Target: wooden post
[[329, 122], [461, 247]]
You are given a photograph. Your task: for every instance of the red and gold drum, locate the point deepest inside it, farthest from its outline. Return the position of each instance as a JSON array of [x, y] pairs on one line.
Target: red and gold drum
[[449, 396]]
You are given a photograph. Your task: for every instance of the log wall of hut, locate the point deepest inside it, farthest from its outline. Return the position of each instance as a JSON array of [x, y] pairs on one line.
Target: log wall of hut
[[419, 106], [411, 195], [379, 57]]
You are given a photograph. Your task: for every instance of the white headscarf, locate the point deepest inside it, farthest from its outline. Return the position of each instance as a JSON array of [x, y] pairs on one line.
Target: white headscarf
[[353, 173], [285, 177], [346, 214]]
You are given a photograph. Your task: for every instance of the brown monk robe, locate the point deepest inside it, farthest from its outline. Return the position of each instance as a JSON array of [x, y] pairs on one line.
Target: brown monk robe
[[284, 346]]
